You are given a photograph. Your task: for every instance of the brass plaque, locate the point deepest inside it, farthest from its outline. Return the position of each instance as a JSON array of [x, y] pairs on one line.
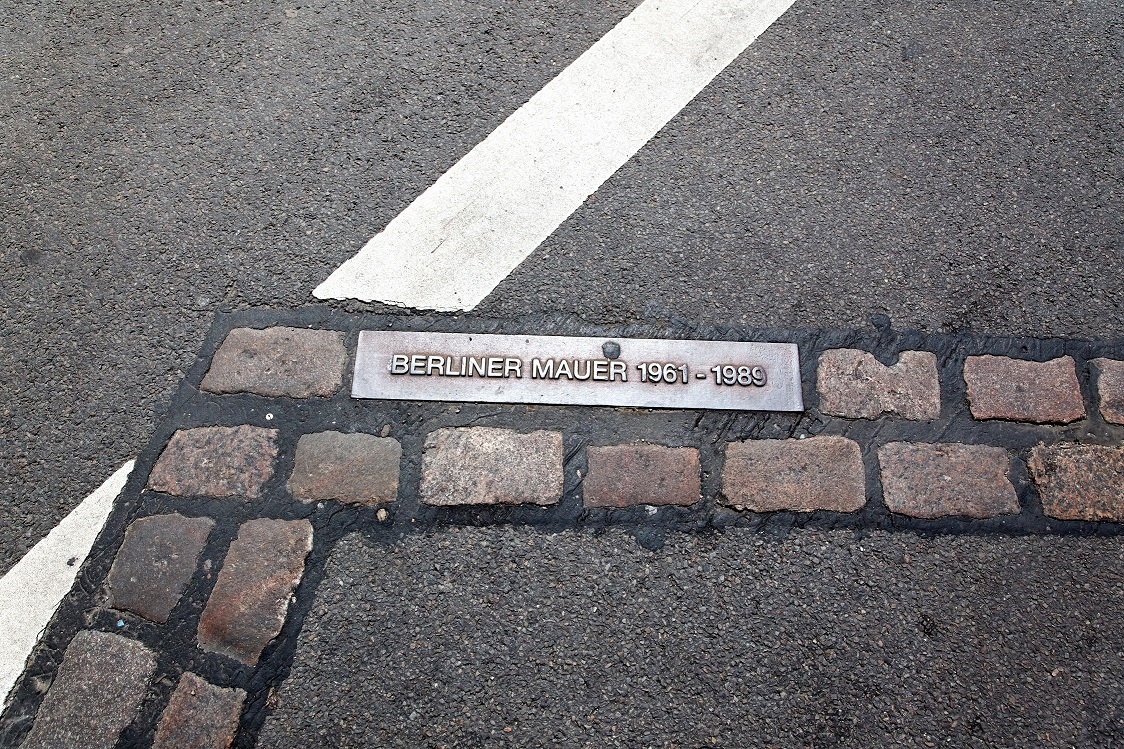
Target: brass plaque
[[640, 372]]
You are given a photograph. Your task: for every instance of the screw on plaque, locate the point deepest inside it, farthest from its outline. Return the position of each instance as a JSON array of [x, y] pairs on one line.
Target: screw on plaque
[[611, 349]]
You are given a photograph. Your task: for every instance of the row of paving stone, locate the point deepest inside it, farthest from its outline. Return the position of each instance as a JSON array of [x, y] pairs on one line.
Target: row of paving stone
[[487, 465], [99, 686]]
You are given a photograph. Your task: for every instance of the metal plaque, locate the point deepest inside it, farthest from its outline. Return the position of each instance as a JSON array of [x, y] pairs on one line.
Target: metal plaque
[[642, 372]]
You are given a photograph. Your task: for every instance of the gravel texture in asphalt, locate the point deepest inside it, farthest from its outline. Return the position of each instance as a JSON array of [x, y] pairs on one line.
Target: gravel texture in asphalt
[[510, 637], [165, 161], [955, 165]]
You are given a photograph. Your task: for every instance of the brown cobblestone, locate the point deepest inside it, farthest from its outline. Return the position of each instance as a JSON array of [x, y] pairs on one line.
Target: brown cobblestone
[[199, 715], [216, 462], [629, 475], [1080, 482], [817, 473], [248, 606], [484, 466], [947, 479], [355, 468], [278, 362], [1110, 389], [96, 693], [1019, 390], [155, 563], [855, 385]]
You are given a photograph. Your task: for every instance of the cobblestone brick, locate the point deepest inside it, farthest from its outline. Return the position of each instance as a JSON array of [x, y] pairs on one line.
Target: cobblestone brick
[[1110, 389], [1020, 390], [484, 466], [855, 385], [947, 479], [96, 693], [250, 600], [355, 468], [155, 563], [817, 473], [216, 462], [199, 715], [629, 475], [278, 362], [1080, 482]]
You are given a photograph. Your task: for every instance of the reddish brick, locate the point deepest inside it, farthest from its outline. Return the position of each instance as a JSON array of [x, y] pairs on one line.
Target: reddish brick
[[629, 475], [938, 480], [855, 385], [248, 606], [278, 362], [1080, 482], [355, 468], [485, 466], [96, 693], [155, 563], [1110, 389], [216, 462], [817, 473], [1019, 390], [199, 715]]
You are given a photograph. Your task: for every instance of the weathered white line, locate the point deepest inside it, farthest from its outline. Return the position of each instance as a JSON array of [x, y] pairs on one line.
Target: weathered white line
[[471, 228], [32, 590]]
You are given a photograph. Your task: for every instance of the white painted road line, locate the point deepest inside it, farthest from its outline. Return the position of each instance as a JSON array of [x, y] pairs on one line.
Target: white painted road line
[[483, 217], [32, 590]]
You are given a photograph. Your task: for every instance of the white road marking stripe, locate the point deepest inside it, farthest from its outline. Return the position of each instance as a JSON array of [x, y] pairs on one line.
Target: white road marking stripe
[[32, 590], [471, 228]]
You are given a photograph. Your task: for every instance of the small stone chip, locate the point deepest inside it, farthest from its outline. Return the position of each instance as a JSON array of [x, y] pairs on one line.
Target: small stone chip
[[1110, 389], [630, 475], [1019, 390], [1080, 482], [96, 693], [485, 466], [354, 468], [199, 715], [855, 385], [947, 479], [817, 473], [278, 362], [155, 563], [216, 462], [248, 606]]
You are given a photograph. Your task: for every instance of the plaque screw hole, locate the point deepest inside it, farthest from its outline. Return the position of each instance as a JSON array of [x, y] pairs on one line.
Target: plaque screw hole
[[611, 349]]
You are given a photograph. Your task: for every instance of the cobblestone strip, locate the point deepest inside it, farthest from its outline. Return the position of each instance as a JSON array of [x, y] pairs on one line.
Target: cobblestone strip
[[855, 385], [484, 466], [1080, 482], [931, 479], [938, 480], [1017, 390], [630, 475], [817, 473], [278, 362], [96, 693], [199, 716], [216, 462], [355, 468], [155, 562], [248, 605]]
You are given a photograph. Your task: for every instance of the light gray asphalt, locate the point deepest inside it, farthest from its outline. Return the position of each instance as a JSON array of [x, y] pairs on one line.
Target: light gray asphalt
[[954, 165], [508, 637]]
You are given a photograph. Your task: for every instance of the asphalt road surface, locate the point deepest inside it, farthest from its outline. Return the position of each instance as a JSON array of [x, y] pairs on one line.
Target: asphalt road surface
[[506, 637], [956, 166]]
